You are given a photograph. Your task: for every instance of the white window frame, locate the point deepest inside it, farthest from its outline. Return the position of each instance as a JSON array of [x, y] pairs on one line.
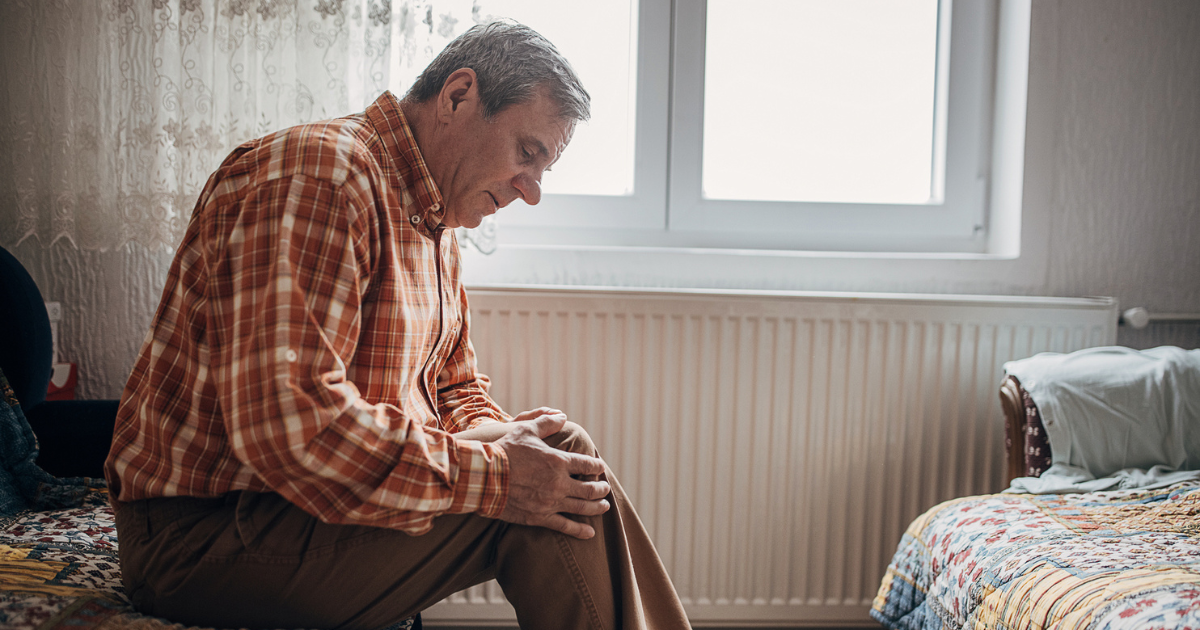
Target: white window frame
[[1014, 253], [649, 217], [953, 222]]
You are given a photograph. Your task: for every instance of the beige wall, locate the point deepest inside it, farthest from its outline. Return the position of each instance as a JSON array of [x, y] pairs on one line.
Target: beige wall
[[1126, 210]]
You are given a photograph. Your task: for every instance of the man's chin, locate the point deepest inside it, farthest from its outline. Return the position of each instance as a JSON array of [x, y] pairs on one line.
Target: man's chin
[[476, 220], [458, 220]]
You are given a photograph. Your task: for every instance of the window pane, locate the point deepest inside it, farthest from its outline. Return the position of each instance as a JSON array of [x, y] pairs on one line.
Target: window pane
[[810, 100], [601, 44]]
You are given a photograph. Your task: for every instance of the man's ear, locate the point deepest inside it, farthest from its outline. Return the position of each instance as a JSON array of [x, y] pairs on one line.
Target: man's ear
[[460, 94]]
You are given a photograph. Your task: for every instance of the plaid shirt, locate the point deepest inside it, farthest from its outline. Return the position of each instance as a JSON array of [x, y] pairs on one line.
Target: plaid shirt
[[312, 340]]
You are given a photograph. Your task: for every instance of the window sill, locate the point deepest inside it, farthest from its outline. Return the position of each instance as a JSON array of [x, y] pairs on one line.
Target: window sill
[[766, 270]]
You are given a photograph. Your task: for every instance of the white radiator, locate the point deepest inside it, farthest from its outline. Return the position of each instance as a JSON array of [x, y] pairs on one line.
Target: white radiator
[[775, 445]]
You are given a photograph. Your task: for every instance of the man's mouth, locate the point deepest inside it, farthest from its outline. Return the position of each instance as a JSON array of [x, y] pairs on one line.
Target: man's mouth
[[494, 202]]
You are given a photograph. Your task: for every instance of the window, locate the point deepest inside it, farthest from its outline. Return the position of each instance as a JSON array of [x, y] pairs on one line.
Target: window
[[857, 125], [821, 101]]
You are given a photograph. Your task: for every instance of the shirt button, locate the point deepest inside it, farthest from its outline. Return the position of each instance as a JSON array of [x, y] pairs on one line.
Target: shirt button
[[291, 355], [415, 219], [435, 207]]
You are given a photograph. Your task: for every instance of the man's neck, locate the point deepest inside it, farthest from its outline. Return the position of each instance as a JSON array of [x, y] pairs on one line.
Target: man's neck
[[423, 124]]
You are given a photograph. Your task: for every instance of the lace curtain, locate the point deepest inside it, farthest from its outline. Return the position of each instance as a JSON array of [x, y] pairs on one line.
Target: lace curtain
[[115, 112]]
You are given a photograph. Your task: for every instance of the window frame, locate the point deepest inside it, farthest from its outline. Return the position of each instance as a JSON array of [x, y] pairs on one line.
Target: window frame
[[954, 223], [666, 209], [1021, 205]]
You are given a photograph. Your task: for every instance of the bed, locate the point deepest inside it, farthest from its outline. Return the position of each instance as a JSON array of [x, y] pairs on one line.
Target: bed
[[1109, 547], [59, 569]]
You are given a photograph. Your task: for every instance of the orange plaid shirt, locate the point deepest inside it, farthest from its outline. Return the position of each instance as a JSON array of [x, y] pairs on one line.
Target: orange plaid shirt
[[312, 340]]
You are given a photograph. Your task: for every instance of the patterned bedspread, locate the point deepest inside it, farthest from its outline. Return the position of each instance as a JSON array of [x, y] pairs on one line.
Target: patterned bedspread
[[1102, 561], [59, 571]]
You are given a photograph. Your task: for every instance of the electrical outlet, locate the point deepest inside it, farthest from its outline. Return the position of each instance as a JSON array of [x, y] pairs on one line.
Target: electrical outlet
[[54, 310]]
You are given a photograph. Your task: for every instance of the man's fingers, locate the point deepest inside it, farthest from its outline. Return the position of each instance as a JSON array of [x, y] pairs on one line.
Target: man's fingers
[[534, 413], [589, 490], [586, 508], [547, 425], [579, 464], [565, 525]]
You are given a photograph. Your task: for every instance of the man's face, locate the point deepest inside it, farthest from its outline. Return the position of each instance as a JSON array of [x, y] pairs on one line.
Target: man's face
[[489, 164]]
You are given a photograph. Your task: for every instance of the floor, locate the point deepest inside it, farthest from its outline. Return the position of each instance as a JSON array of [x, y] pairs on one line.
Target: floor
[[431, 627]]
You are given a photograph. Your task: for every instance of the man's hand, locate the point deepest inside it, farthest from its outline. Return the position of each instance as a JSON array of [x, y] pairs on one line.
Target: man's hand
[[542, 483], [494, 430], [534, 414]]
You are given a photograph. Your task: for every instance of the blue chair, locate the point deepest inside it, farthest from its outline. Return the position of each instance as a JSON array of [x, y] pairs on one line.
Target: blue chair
[[74, 435]]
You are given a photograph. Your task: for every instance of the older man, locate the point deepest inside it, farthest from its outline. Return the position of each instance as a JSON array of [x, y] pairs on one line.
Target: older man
[[305, 441]]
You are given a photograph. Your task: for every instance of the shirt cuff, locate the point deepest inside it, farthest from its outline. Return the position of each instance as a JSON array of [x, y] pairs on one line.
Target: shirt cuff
[[469, 419], [482, 484]]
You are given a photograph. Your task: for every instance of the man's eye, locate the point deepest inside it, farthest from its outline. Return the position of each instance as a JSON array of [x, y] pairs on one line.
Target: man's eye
[[525, 153]]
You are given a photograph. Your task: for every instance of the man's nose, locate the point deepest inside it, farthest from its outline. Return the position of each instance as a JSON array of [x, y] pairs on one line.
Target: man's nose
[[530, 188]]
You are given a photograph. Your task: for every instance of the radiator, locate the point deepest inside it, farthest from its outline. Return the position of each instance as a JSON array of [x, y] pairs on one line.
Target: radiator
[[775, 445]]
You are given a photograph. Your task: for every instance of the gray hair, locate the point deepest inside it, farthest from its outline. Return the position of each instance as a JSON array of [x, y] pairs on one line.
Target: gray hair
[[510, 61]]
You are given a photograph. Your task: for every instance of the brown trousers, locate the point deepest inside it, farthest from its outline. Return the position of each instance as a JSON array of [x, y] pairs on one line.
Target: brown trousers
[[256, 561]]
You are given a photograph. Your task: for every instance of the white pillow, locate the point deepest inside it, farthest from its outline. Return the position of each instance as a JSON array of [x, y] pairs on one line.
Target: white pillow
[[1107, 409]]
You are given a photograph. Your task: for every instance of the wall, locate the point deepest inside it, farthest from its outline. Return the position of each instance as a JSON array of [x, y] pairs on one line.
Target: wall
[[1126, 211], [1123, 107], [108, 299]]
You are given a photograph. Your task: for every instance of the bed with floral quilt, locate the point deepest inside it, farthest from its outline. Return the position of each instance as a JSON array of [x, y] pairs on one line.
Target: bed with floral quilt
[[59, 569], [1100, 527], [1101, 560]]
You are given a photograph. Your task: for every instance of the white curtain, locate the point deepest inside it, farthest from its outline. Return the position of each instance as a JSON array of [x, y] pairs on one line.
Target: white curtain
[[116, 111]]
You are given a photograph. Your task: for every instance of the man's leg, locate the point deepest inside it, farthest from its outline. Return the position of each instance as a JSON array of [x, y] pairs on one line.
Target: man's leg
[[620, 580], [255, 560]]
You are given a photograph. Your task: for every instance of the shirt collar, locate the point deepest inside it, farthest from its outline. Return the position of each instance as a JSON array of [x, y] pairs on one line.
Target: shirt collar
[[401, 148]]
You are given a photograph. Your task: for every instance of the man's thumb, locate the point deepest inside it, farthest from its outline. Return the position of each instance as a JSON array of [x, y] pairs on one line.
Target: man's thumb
[[549, 424]]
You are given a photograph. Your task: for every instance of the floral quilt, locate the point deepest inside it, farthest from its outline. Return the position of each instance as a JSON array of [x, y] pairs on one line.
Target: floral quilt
[[59, 569], [1114, 560]]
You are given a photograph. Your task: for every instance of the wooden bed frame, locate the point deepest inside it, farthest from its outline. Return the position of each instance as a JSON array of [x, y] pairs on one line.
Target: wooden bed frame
[[1011, 401]]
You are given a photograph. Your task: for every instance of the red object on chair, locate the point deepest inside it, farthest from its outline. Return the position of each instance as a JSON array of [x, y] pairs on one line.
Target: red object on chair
[[63, 379]]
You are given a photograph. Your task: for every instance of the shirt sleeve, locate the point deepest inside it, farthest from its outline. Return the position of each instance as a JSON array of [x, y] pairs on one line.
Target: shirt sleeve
[[463, 399], [290, 286]]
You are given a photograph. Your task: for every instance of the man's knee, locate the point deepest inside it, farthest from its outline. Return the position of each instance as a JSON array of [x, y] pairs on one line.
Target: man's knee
[[573, 439]]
